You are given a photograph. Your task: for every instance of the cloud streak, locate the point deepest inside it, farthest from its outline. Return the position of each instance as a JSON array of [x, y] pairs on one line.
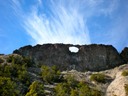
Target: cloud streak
[[64, 21], [62, 25], [65, 25]]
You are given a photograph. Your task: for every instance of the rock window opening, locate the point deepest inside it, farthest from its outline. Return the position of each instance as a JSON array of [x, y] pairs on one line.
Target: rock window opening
[[73, 49]]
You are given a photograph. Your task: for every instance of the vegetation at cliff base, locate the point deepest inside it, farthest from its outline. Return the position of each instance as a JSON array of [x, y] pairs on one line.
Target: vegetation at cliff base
[[36, 89], [50, 74], [71, 87], [14, 77], [1, 60], [8, 87], [98, 77]]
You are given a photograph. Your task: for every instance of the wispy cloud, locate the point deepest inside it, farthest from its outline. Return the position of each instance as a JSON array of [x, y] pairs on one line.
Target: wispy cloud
[[65, 21], [62, 25]]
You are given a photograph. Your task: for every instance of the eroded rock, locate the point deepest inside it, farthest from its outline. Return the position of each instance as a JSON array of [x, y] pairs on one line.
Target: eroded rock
[[116, 88], [124, 54], [89, 57]]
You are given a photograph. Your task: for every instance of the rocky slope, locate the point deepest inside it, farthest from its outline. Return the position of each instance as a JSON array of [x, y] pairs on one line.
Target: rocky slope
[[114, 84], [89, 57], [115, 81], [89, 60]]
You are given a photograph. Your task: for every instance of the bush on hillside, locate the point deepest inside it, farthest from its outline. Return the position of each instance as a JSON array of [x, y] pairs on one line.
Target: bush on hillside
[[50, 74], [1, 60], [126, 88], [70, 79], [125, 73], [8, 87], [98, 77], [19, 72], [36, 89], [80, 89], [62, 89], [17, 59]]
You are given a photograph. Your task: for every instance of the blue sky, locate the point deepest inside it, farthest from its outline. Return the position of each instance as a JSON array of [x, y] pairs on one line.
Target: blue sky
[[31, 22]]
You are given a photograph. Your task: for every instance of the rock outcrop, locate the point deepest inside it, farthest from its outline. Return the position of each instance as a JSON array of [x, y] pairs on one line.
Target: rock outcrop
[[117, 87], [124, 54], [89, 57]]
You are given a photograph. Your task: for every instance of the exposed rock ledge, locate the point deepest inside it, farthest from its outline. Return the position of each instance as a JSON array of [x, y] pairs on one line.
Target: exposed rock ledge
[[89, 57]]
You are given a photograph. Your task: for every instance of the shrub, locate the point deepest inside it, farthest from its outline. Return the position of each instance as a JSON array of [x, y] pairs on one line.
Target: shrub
[[74, 92], [9, 59], [125, 73], [27, 61], [85, 90], [15, 59], [82, 89], [7, 87], [50, 74], [24, 77], [18, 72], [62, 89], [67, 88], [5, 70], [1, 60], [98, 77], [36, 89], [126, 88], [70, 79]]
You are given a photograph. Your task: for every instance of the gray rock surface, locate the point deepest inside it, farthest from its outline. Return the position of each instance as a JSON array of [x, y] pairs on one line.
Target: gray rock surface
[[124, 54], [89, 57]]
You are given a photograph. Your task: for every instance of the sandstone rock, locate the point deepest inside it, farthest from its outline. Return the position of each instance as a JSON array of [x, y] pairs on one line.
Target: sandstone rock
[[116, 88], [89, 57], [124, 54]]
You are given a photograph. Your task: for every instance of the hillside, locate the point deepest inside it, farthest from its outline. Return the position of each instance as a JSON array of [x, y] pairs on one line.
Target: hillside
[[20, 75]]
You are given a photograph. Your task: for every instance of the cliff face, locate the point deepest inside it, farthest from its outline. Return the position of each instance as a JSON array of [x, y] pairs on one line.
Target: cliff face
[[89, 57], [124, 54]]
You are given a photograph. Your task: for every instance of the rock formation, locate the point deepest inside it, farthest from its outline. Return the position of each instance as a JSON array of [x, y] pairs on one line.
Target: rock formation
[[124, 54], [116, 88], [89, 57]]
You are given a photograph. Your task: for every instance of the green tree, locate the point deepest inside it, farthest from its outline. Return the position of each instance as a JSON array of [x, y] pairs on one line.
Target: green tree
[[50, 74], [74, 92], [8, 87], [36, 89], [70, 79], [24, 77], [84, 89], [5, 70], [62, 89]]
